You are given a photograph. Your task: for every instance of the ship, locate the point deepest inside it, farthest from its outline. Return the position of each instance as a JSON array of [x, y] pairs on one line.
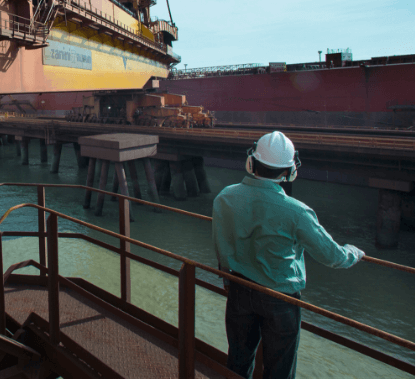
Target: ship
[[376, 93], [111, 51]]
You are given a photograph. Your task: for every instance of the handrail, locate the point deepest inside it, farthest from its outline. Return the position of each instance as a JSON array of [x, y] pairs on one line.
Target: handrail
[[334, 316], [180, 211]]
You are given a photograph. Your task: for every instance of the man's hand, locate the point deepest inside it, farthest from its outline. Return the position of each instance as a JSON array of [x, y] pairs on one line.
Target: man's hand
[[227, 288]]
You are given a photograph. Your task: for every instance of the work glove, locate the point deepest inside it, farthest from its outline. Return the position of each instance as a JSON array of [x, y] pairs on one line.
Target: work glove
[[356, 251]]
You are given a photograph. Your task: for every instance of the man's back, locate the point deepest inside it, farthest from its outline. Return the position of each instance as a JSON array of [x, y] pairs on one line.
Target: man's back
[[261, 233]]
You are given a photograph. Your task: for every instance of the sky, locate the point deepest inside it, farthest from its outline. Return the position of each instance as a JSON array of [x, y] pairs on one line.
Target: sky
[[226, 32]]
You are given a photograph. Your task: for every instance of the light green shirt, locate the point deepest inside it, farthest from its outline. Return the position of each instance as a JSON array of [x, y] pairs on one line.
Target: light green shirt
[[261, 233]]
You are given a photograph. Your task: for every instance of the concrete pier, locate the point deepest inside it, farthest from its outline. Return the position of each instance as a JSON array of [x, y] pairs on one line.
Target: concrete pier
[[81, 161], [24, 145], [115, 186], [201, 175], [388, 218], [190, 178], [90, 182], [117, 148], [133, 174], [43, 151], [103, 181], [57, 150], [154, 196], [178, 182], [124, 190]]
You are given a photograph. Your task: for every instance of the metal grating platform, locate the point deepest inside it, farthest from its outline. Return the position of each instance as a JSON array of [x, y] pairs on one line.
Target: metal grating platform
[[127, 349]]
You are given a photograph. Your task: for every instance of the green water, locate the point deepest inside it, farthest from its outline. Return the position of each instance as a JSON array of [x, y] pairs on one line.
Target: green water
[[374, 295]]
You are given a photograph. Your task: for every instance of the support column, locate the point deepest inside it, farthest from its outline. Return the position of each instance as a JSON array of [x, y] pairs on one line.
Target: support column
[[82, 161], [57, 150], [158, 167], [18, 150], [178, 183], [115, 186], [124, 190], [4, 139], [133, 175], [201, 175], [99, 165], [24, 144], [388, 218], [190, 178], [43, 151], [151, 182], [90, 182], [103, 181]]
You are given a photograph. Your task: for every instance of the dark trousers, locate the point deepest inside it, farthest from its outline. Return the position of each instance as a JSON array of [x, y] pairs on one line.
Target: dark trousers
[[252, 316]]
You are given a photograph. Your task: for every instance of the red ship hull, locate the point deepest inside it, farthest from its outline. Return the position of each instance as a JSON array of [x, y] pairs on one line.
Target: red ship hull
[[375, 96], [361, 96]]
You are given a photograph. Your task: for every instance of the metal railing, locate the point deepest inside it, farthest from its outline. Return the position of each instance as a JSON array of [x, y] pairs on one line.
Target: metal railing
[[187, 279], [85, 9], [22, 28]]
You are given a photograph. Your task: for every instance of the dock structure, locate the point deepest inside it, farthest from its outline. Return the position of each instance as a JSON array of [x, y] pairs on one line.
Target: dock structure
[[381, 159], [119, 148]]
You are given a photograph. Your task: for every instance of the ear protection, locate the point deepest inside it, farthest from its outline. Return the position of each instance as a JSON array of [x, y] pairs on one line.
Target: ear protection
[[250, 160], [293, 171]]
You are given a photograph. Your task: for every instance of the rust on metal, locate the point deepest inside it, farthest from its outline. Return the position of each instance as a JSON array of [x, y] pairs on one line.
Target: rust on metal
[[42, 226], [124, 220], [187, 322], [53, 281], [2, 303]]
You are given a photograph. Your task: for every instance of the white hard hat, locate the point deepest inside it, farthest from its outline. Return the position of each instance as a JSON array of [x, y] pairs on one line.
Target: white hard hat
[[275, 150]]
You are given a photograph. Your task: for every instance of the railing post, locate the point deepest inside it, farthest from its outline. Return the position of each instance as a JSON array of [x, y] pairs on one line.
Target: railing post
[[2, 302], [41, 227], [187, 322], [124, 216], [53, 280]]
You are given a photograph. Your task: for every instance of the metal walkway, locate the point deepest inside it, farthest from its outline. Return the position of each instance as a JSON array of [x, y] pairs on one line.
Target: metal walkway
[[127, 349]]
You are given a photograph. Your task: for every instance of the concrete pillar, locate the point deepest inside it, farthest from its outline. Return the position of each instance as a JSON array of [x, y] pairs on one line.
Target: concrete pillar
[[166, 181], [154, 196], [287, 186], [90, 182], [124, 190], [201, 175], [24, 144], [18, 151], [57, 150], [388, 218], [99, 164], [4, 139], [190, 178], [162, 176], [43, 151], [178, 183], [103, 181], [115, 186], [133, 175], [82, 161]]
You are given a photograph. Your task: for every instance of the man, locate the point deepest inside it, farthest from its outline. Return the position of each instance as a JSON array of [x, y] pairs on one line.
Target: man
[[260, 235]]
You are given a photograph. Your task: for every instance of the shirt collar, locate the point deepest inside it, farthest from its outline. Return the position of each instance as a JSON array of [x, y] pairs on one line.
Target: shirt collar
[[262, 183]]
